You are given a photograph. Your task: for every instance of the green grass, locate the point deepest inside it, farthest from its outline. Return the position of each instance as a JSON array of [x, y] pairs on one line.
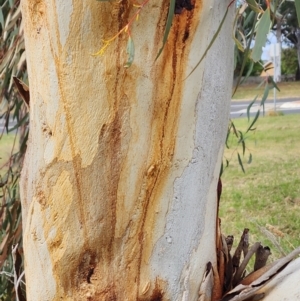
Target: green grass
[[6, 143], [266, 198], [248, 91]]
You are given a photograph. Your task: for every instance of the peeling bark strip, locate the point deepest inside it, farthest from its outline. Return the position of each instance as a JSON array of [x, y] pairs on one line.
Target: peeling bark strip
[[268, 285], [120, 178], [261, 257]]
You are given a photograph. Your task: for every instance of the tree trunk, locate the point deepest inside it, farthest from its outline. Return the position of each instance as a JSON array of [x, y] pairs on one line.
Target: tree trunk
[[119, 180]]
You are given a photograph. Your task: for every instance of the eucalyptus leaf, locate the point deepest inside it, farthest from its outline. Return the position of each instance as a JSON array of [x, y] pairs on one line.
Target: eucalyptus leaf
[[227, 137], [130, 52], [20, 123], [253, 122], [244, 146], [168, 26], [263, 29], [222, 169], [211, 42], [272, 83], [240, 162], [254, 6], [249, 107], [250, 18], [242, 140], [245, 56], [238, 44], [250, 68], [1, 19], [265, 96]]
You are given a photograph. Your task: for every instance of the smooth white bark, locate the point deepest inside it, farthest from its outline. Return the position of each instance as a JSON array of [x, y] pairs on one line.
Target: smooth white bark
[[119, 181]]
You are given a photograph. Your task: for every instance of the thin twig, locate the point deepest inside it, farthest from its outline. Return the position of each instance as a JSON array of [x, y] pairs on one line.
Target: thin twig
[[14, 250], [20, 280]]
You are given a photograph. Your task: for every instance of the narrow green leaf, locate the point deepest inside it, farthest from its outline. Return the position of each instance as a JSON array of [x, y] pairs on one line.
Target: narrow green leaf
[[249, 107], [23, 145], [265, 96], [250, 159], [227, 137], [211, 43], [9, 219], [250, 19], [130, 52], [238, 44], [297, 4], [253, 5], [1, 19], [7, 121], [241, 136], [253, 122], [240, 162], [249, 69], [246, 53], [273, 84], [234, 130], [21, 122], [168, 26], [4, 223], [244, 147], [221, 171], [17, 114], [242, 140], [263, 28]]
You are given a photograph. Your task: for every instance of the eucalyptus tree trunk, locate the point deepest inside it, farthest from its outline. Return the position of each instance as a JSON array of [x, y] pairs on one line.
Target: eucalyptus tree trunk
[[119, 180]]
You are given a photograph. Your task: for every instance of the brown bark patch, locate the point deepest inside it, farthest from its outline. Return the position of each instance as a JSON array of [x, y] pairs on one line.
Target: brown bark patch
[[157, 294]]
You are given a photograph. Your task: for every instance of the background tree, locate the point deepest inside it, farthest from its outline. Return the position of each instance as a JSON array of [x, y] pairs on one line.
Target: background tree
[[289, 62], [290, 27]]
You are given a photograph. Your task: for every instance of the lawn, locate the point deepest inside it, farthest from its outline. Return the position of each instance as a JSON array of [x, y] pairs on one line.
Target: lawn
[[287, 89], [6, 143], [266, 198]]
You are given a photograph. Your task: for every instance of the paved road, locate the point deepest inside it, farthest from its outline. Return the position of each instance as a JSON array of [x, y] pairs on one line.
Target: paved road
[[239, 108], [287, 106]]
